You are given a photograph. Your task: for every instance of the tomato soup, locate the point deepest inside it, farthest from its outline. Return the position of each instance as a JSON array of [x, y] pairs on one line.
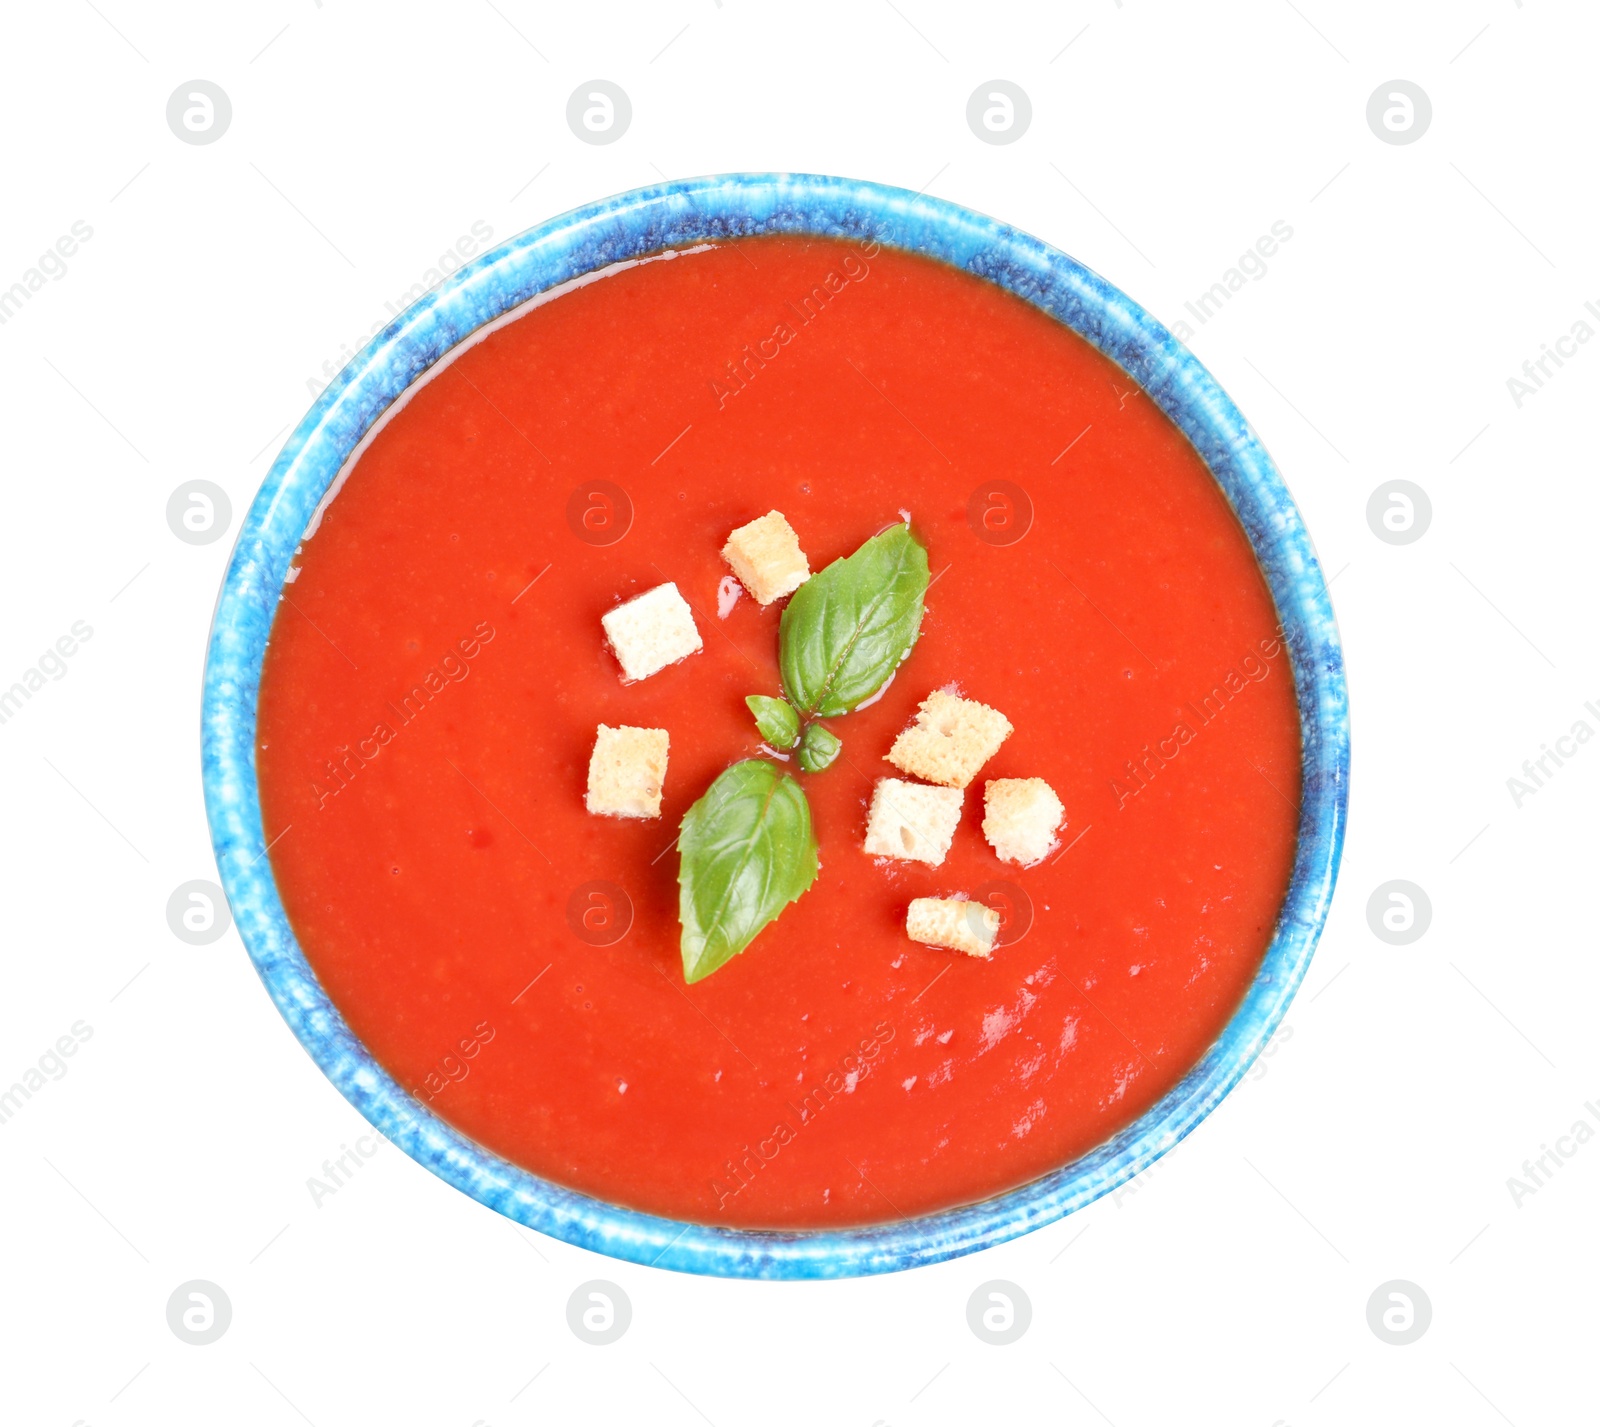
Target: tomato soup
[[437, 670]]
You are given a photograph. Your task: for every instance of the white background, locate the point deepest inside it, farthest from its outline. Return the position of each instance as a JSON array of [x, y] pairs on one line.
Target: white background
[[1408, 1084]]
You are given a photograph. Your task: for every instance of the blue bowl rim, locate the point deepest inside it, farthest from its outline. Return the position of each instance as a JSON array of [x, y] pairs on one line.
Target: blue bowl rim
[[633, 225]]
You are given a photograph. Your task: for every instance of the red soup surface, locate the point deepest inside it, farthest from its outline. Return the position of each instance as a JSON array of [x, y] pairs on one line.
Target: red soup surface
[[437, 670]]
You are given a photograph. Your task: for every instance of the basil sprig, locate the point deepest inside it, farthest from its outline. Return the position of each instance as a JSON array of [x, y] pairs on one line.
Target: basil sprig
[[818, 748], [747, 849], [846, 630], [776, 721]]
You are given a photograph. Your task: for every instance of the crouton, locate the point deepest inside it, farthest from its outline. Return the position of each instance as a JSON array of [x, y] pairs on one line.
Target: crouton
[[958, 926], [652, 631], [626, 771], [912, 821], [1020, 818], [767, 558], [951, 740]]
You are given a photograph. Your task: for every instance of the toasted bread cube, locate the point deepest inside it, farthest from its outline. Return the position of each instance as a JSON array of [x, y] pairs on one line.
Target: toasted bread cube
[[651, 631], [767, 558], [626, 771], [911, 821], [951, 740], [956, 925], [1020, 818]]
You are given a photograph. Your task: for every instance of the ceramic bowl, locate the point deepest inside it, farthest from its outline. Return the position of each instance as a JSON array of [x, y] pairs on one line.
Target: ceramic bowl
[[676, 215]]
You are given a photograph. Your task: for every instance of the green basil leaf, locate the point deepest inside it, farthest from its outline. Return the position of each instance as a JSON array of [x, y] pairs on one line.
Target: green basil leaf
[[746, 851], [846, 630], [818, 748], [776, 721]]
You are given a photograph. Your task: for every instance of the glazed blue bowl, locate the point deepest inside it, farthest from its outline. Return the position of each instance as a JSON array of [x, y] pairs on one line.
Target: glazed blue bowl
[[677, 215]]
